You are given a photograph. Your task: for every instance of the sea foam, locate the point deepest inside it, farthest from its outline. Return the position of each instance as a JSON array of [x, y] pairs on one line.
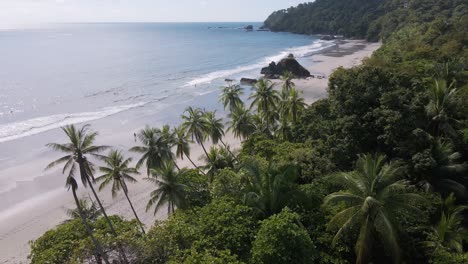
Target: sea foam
[[299, 52], [16, 130]]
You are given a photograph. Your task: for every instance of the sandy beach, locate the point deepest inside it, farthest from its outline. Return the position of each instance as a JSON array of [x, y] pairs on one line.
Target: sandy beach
[[32, 218]]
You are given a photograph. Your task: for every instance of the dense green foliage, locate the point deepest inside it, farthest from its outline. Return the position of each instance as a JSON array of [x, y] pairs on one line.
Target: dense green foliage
[[375, 173]]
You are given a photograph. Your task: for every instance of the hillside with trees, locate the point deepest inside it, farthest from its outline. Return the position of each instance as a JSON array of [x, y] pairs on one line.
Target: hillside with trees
[[375, 173]]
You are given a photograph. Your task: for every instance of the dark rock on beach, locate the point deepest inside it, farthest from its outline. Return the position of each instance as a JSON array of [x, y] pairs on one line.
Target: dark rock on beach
[[247, 81], [328, 37], [287, 64]]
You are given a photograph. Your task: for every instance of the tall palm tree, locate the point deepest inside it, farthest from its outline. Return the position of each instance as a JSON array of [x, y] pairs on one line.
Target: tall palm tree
[[156, 148], [230, 96], [288, 84], [169, 191], [449, 231], [81, 144], [118, 172], [219, 159], [90, 211], [241, 123], [215, 129], [182, 145], [442, 97], [265, 99], [269, 190], [195, 125], [372, 195], [294, 105]]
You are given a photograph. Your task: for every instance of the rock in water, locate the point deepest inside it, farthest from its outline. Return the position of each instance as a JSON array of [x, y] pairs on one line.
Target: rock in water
[[287, 64], [247, 81]]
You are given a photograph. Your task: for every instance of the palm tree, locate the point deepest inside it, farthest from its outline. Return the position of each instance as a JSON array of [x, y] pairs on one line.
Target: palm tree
[[442, 97], [169, 191], [182, 144], [219, 159], [449, 231], [241, 123], [288, 84], [118, 172], [269, 190], [294, 105], [265, 99], [195, 125], [156, 148], [90, 211], [215, 130], [81, 144], [230, 96], [372, 196], [76, 149]]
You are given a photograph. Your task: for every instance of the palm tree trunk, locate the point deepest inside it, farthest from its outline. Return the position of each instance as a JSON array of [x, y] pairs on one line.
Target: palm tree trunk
[[206, 153], [226, 147], [177, 166], [122, 253], [194, 165], [124, 187], [97, 245]]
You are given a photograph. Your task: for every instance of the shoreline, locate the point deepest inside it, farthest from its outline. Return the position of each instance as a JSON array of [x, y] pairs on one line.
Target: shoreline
[[19, 227]]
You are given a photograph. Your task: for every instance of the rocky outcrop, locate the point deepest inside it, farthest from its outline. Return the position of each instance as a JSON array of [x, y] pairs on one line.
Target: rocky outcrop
[[287, 64], [328, 37], [249, 28], [247, 81]]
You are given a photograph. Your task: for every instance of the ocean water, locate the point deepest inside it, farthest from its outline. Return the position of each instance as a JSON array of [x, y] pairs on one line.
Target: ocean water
[[117, 77]]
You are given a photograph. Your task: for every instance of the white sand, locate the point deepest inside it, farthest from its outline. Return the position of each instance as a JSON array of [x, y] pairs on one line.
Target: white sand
[[33, 218]]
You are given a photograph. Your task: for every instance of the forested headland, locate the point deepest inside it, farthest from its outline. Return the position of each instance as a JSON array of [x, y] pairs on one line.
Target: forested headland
[[375, 173]]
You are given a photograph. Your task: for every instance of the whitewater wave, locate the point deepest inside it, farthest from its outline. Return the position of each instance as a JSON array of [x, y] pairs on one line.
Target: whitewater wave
[[16, 130], [299, 52]]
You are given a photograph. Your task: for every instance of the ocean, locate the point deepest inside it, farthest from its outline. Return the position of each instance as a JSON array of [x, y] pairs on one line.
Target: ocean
[[116, 77]]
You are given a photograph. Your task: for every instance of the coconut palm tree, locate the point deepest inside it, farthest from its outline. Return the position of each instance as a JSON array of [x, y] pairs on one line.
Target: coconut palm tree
[[156, 148], [195, 125], [294, 105], [169, 191], [265, 99], [81, 144], [230, 96], [268, 190], [288, 84], [182, 145], [215, 130], [241, 123], [90, 211], [372, 196], [118, 172], [449, 231], [442, 98], [219, 158]]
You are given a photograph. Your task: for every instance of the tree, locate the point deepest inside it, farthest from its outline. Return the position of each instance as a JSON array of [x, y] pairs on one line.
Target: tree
[[169, 191], [215, 130], [90, 211], [230, 96], [442, 98], [195, 125], [156, 148], [293, 105], [268, 190], [182, 144], [449, 231], [118, 172], [81, 144], [372, 197], [218, 159], [241, 123], [283, 239], [265, 99], [288, 84]]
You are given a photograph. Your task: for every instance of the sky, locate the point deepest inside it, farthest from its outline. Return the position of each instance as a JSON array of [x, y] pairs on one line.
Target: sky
[[19, 13]]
